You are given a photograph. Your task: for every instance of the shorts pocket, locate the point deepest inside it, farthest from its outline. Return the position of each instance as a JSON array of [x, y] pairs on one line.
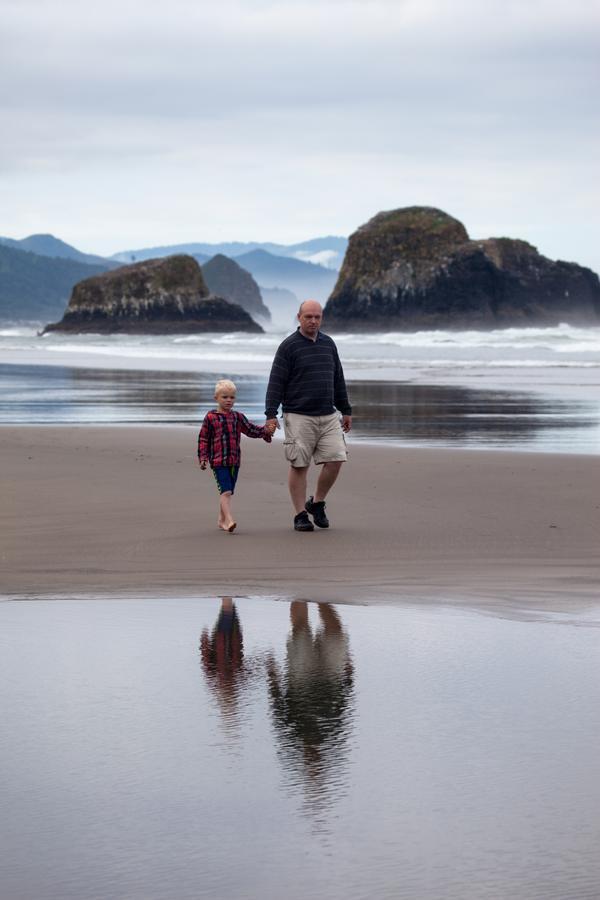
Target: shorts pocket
[[291, 449]]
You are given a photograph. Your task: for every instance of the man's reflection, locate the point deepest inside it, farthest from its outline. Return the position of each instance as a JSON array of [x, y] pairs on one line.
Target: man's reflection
[[311, 699], [222, 654]]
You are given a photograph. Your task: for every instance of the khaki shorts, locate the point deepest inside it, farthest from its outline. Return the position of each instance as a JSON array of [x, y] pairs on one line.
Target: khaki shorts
[[313, 437]]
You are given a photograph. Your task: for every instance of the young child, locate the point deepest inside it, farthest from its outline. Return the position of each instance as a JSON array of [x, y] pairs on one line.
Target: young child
[[219, 446]]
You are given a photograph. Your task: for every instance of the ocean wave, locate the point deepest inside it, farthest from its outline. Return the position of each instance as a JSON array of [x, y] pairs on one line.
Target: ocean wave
[[448, 363], [235, 339], [148, 353], [560, 338], [385, 355], [11, 331]]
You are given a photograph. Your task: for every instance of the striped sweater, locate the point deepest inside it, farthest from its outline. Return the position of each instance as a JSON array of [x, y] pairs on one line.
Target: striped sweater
[[307, 378]]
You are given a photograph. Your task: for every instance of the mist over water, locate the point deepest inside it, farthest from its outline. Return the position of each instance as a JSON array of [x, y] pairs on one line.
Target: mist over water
[[224, 747]]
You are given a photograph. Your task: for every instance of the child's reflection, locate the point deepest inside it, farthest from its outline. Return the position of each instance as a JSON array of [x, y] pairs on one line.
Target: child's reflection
[[311, 700], [222, 653]]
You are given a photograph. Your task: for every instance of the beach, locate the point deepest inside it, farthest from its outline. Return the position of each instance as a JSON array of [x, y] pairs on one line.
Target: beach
[[429, 661], [423, 726], [121, 510]]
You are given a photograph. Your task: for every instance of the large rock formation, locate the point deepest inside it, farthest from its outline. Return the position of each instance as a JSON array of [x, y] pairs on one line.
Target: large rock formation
[[227, 279], [416, 268], [157, 296]]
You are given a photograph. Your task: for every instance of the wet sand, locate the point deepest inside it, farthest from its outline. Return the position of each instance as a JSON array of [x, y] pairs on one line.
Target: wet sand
[[126, 510]]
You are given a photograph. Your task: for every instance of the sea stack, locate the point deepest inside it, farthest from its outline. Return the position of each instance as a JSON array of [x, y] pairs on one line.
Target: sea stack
[[156, 296], [416, 268], [227, 279]]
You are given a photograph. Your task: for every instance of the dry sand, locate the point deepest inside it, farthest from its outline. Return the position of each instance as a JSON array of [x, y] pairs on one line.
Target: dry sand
[[127, 511]]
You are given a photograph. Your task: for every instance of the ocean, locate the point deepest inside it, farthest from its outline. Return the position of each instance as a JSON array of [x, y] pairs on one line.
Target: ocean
[[519, 388]]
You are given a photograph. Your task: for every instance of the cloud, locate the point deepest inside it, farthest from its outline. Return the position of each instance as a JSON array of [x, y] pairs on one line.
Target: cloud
[[180, 120], [186, 58]]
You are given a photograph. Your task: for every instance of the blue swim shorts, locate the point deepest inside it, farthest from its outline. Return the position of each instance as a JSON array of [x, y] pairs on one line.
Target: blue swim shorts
[[226, 477]]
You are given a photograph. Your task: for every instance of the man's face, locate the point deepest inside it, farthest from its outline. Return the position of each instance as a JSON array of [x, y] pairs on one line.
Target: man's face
[[310, 318]]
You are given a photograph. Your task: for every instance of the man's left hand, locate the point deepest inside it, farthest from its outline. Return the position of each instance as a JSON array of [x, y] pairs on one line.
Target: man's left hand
[[346, 423]]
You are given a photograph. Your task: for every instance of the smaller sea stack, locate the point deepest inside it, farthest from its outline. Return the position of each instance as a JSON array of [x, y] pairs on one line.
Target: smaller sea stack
[[227, 279], [156, 296]]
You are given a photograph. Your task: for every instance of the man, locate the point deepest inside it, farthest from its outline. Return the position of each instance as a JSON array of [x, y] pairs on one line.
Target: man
[[307, 379]]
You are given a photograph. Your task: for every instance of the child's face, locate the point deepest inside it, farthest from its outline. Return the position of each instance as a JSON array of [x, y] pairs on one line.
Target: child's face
[[225, 399]]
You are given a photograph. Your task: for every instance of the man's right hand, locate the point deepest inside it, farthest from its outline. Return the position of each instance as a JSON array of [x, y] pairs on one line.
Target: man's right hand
[[272, 425]]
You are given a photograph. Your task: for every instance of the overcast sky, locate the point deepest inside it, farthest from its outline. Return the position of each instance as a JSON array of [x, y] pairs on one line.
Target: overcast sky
[[129, 124]]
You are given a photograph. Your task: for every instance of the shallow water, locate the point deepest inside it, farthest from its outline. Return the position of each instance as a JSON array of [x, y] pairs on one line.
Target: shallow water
[[260, 749], [423, 415]]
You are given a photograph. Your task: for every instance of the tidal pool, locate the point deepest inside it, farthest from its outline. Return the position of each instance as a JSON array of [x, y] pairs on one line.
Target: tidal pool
[[248, 748]]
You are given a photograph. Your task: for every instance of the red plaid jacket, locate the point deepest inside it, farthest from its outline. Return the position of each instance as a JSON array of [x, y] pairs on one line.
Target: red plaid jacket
[[219, 438]]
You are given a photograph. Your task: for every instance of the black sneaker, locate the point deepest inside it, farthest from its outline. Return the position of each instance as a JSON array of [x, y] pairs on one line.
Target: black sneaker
[[302, 522], [317, 511]]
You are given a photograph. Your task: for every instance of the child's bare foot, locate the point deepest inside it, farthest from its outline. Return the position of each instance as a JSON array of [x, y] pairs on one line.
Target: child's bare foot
[[227, 526]]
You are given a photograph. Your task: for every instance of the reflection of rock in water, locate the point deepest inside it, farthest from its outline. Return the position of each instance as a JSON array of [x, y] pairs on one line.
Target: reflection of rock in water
[[311, 701], [449, 414], [222, 654]]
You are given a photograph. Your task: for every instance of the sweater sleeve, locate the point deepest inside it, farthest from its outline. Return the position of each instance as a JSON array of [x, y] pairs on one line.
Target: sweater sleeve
[[278, 378], [252, 430], [340, 393]]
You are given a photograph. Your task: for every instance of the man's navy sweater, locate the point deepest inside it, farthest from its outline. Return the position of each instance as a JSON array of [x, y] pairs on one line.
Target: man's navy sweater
[[307, 378]]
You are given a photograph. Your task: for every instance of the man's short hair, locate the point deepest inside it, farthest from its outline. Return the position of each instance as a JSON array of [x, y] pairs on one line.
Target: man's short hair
[[225, 385]]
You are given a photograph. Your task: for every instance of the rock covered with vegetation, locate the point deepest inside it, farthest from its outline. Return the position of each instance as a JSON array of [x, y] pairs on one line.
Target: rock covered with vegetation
[[156, 296], [416, 268]]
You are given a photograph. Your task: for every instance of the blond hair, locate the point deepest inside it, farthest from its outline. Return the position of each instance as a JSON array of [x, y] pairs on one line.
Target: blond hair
[[225, 385]]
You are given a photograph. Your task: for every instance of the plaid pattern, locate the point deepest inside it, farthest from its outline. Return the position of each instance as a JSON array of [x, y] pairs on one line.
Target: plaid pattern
[[220, 434]]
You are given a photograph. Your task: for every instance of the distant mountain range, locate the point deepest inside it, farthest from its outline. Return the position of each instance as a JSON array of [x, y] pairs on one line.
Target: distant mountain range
[[304, 279], [48, 245], [38, 287], [38, 272], [324, 251]]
